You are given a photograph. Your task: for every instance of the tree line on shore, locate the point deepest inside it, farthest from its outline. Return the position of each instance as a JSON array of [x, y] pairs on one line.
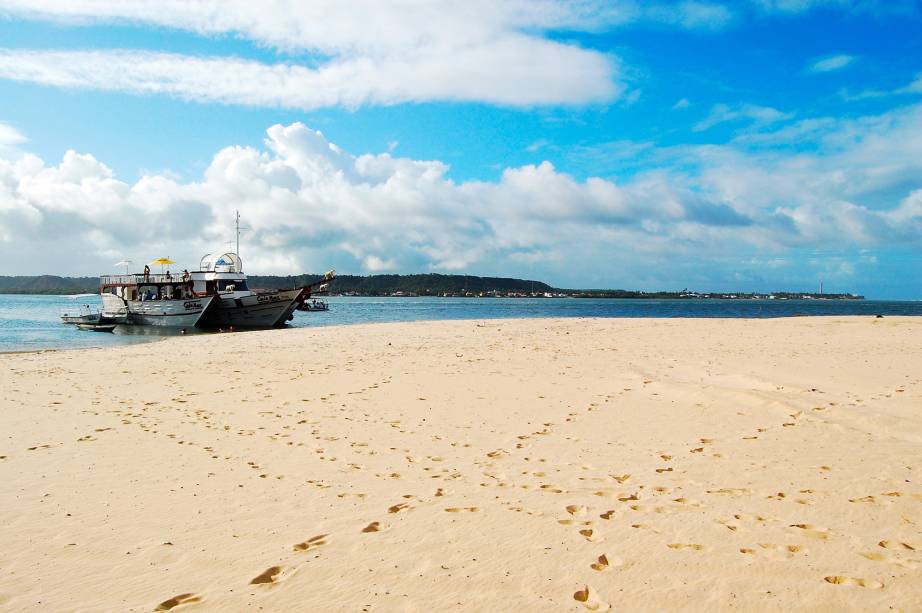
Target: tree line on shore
[[371, 285], [432, 284]]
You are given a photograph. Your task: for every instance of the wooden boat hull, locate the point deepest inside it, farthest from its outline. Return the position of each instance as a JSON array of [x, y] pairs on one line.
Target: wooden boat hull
[[97, 327], [259, 310], [81, 319], [173, 313]]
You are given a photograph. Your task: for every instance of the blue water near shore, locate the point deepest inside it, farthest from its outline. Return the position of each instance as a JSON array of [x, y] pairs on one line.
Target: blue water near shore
[[29, 323]]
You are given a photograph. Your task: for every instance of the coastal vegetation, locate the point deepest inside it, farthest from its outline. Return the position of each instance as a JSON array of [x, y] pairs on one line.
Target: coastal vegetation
[[417, 285], [49, 284], [413, 285]]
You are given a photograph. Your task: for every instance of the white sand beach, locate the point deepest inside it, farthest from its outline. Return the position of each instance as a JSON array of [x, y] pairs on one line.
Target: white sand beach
[[536, 465]]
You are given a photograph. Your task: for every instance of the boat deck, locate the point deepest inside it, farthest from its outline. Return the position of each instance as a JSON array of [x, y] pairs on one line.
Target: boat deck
[[139, 279]]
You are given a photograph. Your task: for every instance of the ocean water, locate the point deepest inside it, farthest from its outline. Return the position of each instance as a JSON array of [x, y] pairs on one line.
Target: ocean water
[[29, 323]]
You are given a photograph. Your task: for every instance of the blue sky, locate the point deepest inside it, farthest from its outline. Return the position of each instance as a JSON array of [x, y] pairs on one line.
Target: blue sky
[[763, 145]]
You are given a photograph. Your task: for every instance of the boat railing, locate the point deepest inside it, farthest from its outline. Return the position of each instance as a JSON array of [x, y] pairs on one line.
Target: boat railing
[[139, 279]]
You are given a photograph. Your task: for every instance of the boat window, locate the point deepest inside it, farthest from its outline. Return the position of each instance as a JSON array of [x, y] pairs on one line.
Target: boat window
[[237, 285]]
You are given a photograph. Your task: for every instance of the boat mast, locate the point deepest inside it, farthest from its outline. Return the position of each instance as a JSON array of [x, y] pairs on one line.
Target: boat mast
[[237, 223]]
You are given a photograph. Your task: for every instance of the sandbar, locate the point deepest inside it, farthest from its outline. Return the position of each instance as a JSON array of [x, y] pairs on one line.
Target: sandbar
[[499, 465]]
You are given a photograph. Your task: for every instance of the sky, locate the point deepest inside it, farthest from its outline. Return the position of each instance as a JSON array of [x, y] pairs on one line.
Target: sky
[[754, 145]]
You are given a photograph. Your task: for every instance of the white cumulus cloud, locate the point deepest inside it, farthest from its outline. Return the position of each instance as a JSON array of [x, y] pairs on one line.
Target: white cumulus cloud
[[831, 63], [309, 205], [355, 53], [754, 114], [335, 53], [10, 138], [510, 72]]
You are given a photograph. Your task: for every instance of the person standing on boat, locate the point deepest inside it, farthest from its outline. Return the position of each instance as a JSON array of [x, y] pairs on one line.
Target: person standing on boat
[[186, 283], [146, 273]]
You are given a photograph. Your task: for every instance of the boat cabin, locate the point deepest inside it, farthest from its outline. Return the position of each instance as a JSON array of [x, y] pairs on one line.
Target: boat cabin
[[147, 287], [220, 274]]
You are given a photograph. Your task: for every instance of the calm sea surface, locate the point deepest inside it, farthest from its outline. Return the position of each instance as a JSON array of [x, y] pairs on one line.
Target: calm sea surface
[[28, 323]]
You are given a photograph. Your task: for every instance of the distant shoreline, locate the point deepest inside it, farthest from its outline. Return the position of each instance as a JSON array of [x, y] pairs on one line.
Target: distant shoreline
[[418, 285], [575, 295]]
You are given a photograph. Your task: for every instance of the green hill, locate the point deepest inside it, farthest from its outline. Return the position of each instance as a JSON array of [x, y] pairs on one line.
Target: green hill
[[374, 285], [425, 285], [49, 284]]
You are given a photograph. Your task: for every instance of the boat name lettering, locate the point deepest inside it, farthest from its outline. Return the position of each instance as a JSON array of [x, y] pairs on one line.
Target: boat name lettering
[[192, 304], [268, 298]]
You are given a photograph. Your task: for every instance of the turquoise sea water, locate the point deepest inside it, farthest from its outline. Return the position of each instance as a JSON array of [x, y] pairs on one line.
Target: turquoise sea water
[[28, 323]]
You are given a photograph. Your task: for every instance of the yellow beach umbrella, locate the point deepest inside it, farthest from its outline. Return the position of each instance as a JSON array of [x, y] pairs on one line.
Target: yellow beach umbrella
[[163, 262]]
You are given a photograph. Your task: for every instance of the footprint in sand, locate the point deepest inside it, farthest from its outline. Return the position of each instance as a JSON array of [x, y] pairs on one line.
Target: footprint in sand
[[590, 599], [812, 531], [268, 576], [778, 552], [462, 510], [601, 564], [607, 514], [588, 534], [397, 508], [372, 527], [873, 555], [572, 522], [577, 510], [175, 601], [694, 546], [311, 543], [839, 580], [882, 557], [732, 491], [895, 545], [739, 518]]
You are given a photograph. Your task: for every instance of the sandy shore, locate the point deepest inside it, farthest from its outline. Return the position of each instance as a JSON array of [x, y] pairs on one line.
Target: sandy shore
[[502, 465]]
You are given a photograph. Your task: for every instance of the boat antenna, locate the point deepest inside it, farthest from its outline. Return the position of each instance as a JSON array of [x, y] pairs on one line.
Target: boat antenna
[[239, 228]]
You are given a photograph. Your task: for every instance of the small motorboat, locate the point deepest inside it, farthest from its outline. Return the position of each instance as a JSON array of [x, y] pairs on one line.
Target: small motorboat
[[83, 313], [97, 327], [314, 305]]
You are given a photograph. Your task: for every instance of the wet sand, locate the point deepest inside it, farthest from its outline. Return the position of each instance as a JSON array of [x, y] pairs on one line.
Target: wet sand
[[539, 465]]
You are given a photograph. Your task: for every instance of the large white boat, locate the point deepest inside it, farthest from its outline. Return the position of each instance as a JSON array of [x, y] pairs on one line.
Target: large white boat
[[217, 295], [236, 304], [152, 300]]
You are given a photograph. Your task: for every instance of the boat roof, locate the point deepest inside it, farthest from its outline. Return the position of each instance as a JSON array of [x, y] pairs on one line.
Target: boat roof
[[221, 262]]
